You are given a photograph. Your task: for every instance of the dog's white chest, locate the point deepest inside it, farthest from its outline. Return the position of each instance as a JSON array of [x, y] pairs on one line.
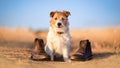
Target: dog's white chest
[[59, 42]]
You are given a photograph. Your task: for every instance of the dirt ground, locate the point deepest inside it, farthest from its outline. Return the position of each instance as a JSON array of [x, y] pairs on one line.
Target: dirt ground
[[16, 46], [19, 58]]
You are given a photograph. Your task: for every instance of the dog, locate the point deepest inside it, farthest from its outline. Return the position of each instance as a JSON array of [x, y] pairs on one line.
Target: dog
[[59, 38], [83, 52]]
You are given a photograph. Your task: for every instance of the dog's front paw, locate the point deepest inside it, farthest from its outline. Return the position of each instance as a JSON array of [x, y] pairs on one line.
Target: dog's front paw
[[52, 58], [67, 60]]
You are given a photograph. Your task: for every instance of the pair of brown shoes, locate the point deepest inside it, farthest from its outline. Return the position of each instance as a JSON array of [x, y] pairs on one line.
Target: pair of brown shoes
[[38, 53], [83, 52]]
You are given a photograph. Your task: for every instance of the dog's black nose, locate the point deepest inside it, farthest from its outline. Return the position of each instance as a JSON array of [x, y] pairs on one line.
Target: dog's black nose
[[59, 24]]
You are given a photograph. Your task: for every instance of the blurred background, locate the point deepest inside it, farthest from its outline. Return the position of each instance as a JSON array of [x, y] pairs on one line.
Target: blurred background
[[21, 21], [34, 14]]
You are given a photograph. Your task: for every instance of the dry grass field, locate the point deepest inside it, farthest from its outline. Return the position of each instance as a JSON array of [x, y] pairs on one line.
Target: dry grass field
[[16, 45]]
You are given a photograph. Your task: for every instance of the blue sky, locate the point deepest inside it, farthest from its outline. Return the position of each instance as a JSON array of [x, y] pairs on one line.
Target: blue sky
[[35, 13]]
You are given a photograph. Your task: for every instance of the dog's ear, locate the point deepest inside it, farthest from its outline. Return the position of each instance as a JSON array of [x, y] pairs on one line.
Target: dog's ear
[[52, 14], [67, 13]]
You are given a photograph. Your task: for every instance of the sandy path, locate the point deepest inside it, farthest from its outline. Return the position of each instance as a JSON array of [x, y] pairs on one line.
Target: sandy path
[[110, 62], [19, 58]]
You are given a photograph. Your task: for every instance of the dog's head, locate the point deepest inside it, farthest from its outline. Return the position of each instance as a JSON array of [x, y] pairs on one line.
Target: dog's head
[[59, 20]]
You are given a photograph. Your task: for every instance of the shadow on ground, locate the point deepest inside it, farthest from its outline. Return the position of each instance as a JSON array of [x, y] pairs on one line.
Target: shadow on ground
[[102, 55]]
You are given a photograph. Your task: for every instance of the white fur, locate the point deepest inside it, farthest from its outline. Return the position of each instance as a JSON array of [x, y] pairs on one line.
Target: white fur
[[58, 43]]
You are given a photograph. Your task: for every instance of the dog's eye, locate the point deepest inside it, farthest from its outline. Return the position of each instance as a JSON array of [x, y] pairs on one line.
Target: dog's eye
[[63, 19], [55, 18]]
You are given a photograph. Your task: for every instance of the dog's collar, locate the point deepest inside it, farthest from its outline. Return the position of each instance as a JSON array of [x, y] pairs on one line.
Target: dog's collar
[[60, 32]]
